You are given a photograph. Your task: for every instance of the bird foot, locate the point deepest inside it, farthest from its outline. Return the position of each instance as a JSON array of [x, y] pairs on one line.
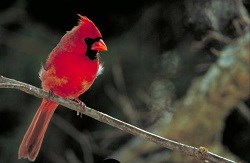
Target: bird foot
[[51, 94], [82, 104]]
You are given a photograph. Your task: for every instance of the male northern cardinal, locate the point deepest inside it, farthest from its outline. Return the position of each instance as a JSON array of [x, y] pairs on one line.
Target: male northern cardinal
[[69, 71]]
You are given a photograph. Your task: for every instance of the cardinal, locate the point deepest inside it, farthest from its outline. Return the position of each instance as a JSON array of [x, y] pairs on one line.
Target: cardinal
[[70, 70]]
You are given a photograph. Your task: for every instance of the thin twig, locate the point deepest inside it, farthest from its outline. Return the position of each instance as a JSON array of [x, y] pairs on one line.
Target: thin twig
[[199, 153]]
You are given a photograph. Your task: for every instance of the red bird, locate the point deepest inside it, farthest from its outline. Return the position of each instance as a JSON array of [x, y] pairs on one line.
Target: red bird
[[69, 71]]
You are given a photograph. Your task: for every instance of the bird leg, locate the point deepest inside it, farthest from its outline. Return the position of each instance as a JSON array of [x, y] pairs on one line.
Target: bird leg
[[82, 104]]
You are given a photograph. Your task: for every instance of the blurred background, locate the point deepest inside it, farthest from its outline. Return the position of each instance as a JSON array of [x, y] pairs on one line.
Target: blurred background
[[156, 50]]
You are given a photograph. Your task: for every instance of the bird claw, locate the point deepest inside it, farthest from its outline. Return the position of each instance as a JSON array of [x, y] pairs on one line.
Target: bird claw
[[82, 104], [51, 94]]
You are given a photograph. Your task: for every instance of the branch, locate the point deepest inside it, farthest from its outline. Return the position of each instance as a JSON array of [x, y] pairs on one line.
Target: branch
[[200, 153]]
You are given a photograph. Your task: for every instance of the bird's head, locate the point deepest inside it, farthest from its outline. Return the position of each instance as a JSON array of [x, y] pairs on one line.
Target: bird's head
[[91, 37]]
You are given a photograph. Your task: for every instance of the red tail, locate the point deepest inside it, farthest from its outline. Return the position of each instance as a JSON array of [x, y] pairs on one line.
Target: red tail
[[33, 138]]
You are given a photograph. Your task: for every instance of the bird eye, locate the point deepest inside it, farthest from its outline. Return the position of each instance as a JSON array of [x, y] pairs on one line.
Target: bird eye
[[87, 40]]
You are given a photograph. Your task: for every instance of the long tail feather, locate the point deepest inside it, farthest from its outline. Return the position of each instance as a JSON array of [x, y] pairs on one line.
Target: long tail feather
[[33, 137]]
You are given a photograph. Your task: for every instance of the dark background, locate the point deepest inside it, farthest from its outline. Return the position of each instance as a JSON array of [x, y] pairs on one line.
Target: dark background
[[138, 35]]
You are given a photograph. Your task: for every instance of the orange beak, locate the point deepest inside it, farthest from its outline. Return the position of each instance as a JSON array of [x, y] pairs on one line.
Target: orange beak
[[99, 46]]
